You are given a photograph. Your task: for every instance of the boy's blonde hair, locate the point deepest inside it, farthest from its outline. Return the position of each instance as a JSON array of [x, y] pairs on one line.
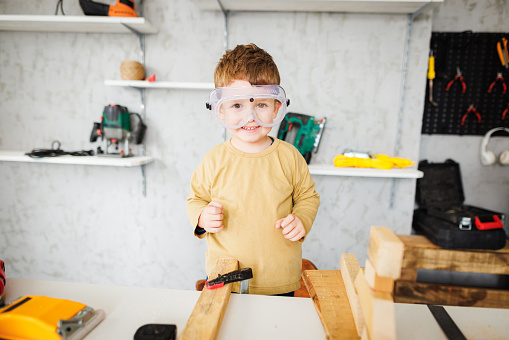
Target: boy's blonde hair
[[246, 62]]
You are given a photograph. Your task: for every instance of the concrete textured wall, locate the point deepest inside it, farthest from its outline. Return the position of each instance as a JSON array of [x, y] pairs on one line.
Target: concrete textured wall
[[486, 187], [92, 223]]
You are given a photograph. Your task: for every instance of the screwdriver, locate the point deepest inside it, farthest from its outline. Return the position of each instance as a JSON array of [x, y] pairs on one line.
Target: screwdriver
[[431, 76]]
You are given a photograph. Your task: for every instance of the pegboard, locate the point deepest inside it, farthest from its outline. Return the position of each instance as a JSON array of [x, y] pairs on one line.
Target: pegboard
[[477, 57]]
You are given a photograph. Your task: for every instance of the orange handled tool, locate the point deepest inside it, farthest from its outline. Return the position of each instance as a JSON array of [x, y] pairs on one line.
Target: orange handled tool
[[431, 76], [503, 53]]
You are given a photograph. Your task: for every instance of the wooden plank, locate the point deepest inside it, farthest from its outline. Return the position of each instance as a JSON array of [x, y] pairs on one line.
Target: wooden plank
[[207, 315], [431, 293], [328, 292], [378, 310], [385, 251], [375, 281], [420, 253], [349, 270]]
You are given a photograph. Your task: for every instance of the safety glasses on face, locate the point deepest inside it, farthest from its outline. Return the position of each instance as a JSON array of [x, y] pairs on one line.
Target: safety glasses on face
[[234, 107]]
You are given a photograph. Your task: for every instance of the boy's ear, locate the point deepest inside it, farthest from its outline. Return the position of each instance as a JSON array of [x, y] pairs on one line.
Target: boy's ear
[[276, 108]]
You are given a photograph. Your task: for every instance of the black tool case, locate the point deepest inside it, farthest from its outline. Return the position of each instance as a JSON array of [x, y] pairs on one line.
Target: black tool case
[[445, 220]]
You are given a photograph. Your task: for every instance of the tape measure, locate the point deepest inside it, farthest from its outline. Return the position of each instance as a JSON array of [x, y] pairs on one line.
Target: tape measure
[[444, 320]]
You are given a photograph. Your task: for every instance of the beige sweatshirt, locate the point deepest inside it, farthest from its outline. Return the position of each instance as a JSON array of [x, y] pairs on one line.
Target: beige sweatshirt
[[256, 190]]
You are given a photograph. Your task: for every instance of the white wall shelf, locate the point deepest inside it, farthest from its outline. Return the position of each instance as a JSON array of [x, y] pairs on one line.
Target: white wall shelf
[[78, 24], [19, 156], [331, 170], [160, 84], [351, 6]]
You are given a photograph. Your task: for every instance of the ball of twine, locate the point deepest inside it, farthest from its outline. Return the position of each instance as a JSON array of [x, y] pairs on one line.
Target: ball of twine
[[132, 70]]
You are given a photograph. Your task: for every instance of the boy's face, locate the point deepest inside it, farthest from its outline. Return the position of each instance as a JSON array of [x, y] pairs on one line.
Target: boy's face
[[232, 112]]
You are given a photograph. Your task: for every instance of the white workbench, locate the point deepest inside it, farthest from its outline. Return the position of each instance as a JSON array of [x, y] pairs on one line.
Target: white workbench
[[247, 316]]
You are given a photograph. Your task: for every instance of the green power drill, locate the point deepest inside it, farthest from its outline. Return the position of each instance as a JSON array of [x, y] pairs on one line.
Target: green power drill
[[303, 131], [117, 127]]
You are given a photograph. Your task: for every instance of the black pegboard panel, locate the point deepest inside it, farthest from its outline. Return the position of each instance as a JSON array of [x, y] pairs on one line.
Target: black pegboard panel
[[476, 56]]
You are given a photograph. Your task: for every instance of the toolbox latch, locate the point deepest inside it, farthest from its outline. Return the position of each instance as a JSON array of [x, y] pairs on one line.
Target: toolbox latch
[[465, 223]]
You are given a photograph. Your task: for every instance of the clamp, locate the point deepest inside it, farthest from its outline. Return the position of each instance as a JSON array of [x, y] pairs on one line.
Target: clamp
[[501, 78], [471, 109], [459, 77], [243, 275]]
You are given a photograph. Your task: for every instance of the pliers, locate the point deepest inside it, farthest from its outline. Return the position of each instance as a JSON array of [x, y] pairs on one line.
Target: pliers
[[471, 109], [499, 77], [459, 77], [504, 113]]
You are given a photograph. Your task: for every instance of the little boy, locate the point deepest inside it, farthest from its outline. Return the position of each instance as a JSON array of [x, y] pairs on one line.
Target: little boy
[[252, 197]]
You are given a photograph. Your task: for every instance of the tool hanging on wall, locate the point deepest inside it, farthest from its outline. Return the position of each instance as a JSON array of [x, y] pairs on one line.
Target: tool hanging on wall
[[459, 77], [431, 76], [504, 113], [503, 54], [2, 283], [471, 109], [303, 131], [118, 126], [502, 81], [123, 8]]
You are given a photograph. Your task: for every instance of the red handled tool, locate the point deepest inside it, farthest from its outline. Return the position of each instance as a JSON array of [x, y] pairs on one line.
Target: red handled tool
[[501, 79], [473, 110], [459, 77], [234, 276], [504, 113]]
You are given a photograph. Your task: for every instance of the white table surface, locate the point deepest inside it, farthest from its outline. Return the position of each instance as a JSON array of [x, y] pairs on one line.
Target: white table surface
[[247, 316]]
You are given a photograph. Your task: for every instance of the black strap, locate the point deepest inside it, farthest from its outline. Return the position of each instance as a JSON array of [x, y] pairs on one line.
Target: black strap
[[451, 330]]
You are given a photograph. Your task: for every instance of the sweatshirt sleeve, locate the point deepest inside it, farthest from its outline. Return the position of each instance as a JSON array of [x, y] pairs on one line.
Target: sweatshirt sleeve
[[199, 197], [305, 199]]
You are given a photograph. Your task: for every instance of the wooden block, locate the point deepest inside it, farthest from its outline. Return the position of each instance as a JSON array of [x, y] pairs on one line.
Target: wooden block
[[349, 271], [328, 292], [420, 253], [448, 295], [378, 310], [385, 251], [375, 281], [207, 315]]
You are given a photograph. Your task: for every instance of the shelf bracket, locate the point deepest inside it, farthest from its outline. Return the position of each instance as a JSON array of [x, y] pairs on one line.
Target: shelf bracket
[[411, 18], [226, 14], [141, 38]]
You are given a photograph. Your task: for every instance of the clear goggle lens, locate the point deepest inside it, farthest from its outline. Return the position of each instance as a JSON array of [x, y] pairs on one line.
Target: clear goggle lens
[[234, 107]]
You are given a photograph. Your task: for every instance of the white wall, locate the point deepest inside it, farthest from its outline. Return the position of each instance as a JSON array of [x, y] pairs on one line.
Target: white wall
[[92, 223], [486, 187]]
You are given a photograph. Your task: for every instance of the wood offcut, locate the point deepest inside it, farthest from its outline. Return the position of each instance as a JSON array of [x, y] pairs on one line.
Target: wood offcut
[[207, 315], [328, 292]]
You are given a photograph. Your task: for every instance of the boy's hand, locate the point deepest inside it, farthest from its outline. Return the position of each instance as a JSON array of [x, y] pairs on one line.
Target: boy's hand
[[211, 218], [293, 228]]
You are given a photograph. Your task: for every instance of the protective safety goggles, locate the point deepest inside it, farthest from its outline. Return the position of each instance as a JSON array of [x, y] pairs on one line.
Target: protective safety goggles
[[234, 107]]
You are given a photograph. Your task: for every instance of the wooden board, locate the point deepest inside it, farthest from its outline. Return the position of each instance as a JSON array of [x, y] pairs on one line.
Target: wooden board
[[349, 270], [385, 251], [436, 294], [328, 292], [207, 315], [378, 310], [375, 281], [420, 253]]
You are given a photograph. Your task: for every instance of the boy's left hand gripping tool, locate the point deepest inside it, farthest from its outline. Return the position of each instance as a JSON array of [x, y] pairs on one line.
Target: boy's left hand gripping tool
[[242, 275]]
